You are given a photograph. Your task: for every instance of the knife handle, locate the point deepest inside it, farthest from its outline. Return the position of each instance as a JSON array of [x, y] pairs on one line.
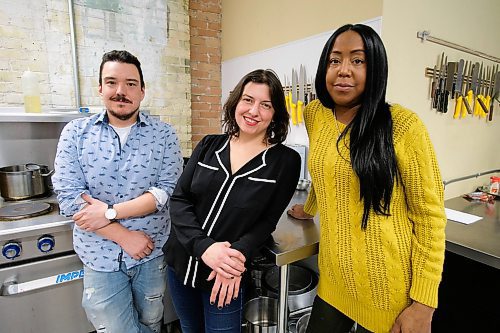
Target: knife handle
[[300, 106], [477, 107], [470, 101], [444, 101], [436, 99], [288, 99], [458, 107], [293, 106], [484, 109]]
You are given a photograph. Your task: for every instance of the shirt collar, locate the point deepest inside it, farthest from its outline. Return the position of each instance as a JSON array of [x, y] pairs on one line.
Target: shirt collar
[[142, 118]]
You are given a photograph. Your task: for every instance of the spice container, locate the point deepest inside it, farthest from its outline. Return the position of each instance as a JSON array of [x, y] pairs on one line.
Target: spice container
[[495, 185], [31, 92]]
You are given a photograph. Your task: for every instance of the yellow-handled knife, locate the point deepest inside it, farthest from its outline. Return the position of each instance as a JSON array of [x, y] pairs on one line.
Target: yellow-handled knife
[[293, 103]]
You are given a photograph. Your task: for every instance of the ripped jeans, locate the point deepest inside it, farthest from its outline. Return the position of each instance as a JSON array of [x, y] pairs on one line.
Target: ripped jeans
[[126, 301]]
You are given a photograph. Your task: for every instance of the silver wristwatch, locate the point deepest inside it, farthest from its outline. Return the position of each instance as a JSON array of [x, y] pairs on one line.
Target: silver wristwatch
[[110, 213]]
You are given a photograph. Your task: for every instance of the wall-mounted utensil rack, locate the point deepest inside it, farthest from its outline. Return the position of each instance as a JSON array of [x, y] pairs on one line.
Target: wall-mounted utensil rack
[[426, 36]]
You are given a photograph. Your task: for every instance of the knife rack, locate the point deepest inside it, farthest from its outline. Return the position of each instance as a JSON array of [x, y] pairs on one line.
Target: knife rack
[[430, 72], [426, 36]]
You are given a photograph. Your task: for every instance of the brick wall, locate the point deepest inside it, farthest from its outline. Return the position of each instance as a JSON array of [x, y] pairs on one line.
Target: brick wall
[[205, 31], [35, 35]]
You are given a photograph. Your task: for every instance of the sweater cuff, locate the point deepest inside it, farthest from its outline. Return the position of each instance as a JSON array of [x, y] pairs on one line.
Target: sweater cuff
[[425, 291], [310, 206]]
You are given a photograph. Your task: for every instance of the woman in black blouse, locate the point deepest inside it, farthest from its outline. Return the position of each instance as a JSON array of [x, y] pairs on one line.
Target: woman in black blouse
[[227, 203]]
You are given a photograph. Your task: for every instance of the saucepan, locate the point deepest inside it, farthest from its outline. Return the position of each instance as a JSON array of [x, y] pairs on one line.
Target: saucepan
[[302, 286], [261, 315], [25, 181]]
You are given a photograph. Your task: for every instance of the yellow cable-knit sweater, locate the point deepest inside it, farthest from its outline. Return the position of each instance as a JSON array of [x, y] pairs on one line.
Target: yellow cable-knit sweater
[[372, 275]]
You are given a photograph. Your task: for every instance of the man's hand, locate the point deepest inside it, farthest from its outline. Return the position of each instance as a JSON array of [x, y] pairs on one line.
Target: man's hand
[[416, 318], [297, 212], [224, 260], [136, 243], [224, 290], [91, 217]]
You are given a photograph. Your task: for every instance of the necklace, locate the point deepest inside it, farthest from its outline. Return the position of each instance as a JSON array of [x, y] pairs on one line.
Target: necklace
[[336, 123]]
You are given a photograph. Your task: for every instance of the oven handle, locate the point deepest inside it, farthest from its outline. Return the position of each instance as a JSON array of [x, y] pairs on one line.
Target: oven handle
[[9, 288]]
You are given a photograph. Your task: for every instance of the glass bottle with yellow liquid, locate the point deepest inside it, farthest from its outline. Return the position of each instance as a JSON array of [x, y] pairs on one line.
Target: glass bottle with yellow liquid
[[31, 92]]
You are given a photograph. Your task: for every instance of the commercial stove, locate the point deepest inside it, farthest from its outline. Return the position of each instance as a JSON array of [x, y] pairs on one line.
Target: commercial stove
[[40, 274]]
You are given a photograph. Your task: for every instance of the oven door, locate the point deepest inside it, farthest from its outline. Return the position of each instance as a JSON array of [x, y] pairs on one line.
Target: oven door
[[43, 296]]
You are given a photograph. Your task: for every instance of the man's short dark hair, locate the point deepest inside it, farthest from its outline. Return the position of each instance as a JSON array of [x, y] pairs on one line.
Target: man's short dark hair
[[121, 56]]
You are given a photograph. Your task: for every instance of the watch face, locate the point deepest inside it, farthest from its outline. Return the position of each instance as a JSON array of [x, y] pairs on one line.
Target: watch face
[[110, 214]]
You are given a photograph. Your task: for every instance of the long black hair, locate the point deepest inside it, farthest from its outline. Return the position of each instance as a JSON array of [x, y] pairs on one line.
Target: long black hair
[[372, 152], [278, 129]]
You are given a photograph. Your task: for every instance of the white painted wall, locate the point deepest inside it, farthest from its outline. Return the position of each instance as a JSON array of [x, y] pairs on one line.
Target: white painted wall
[[463, 147]]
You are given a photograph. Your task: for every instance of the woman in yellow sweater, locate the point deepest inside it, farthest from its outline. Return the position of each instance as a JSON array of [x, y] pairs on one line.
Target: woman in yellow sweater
[[377, 187]]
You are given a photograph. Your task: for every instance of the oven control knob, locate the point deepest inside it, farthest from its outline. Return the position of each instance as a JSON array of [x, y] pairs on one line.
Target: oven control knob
[[11, 250], [46, 243]]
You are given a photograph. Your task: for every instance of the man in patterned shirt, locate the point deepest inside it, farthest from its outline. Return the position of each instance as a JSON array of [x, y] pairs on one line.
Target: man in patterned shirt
[[114, 174]]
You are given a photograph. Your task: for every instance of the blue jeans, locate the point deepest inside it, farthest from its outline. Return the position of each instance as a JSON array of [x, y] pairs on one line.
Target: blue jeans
[[126, 301], [196, 315]]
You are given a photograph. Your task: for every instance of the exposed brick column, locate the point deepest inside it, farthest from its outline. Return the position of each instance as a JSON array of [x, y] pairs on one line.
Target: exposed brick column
[[205, 32]]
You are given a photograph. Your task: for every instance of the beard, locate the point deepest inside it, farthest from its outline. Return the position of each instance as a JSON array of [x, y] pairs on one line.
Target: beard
[[123, 116]]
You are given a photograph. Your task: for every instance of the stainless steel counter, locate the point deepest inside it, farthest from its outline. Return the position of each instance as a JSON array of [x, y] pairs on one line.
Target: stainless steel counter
[[479, 241], [295, 240]]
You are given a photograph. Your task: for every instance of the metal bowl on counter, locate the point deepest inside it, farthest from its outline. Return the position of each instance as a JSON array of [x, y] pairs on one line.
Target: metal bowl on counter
[[303, 184]]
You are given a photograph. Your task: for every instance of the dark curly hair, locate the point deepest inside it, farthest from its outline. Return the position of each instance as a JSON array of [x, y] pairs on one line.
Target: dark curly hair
[[278, 129]]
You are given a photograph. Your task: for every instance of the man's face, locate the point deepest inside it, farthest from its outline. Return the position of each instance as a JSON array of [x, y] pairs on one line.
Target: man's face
[[121, 90]]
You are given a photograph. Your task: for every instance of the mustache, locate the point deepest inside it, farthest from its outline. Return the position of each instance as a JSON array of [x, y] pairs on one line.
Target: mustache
[[120, 98]]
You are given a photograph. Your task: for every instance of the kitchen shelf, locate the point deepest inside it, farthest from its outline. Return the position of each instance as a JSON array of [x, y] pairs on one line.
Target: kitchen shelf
[[48, 116]]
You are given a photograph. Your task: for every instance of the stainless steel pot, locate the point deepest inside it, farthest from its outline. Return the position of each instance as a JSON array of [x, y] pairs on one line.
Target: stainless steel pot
[[24, 181], [261, 315], [302, 286], [302, 323]]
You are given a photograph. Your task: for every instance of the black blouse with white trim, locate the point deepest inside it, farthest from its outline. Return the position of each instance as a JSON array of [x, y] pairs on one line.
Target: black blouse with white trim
[[210, 204]]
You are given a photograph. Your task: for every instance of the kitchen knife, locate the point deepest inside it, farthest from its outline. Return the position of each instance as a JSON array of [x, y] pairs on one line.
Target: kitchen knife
[[450, 73], [300, 103], [293, 103], [434, 84], [458, 89], [474, 88], [495, 95], [285, 91], [437, 93], [469, 97], [480, 96], [490, 88], [483, 92]]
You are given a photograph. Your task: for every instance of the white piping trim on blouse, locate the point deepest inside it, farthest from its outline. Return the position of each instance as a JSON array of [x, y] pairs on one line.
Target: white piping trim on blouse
[[262, 180], [208, 166]]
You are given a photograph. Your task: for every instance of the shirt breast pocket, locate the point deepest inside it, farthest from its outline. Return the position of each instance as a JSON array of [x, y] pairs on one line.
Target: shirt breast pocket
[[203, 177], [256, 193]]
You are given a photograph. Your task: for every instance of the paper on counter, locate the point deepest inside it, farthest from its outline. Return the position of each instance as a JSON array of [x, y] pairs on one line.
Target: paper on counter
[[461, 217]]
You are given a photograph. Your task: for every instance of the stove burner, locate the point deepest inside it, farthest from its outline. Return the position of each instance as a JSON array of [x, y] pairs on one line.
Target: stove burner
[[24, 210]]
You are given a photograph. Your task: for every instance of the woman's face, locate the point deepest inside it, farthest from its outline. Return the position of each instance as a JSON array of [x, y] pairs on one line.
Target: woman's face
[[346, 73], [254, 112]]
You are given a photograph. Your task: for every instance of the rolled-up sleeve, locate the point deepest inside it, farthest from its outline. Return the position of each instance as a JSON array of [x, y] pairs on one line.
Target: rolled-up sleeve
[[170, 170]]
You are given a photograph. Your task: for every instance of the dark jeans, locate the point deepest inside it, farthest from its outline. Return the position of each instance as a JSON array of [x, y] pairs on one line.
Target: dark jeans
[[326, 319], [196, 315]]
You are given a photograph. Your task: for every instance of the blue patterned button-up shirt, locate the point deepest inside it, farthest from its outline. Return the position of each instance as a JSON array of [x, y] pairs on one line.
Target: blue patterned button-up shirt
[[90, 159]]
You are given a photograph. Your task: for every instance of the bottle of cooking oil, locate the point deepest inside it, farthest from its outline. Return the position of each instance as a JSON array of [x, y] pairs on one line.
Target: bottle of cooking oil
[[31, 92]]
